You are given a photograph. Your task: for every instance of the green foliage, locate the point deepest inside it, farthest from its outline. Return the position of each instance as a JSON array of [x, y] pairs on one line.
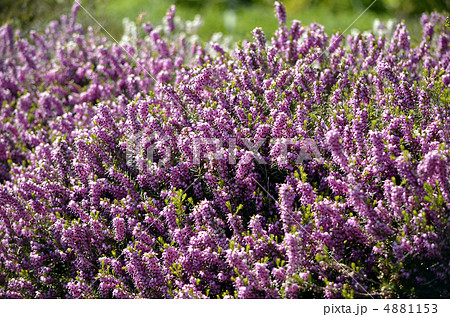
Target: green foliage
[[231, 17], [31, 14]]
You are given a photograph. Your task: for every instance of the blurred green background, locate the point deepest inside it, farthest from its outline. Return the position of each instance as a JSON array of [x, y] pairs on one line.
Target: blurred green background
[[231, 17]]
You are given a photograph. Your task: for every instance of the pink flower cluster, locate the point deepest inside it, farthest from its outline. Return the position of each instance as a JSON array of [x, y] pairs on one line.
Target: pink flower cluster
[[236, 218]]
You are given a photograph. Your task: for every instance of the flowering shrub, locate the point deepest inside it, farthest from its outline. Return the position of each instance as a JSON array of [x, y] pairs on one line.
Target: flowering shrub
[[305, 166]]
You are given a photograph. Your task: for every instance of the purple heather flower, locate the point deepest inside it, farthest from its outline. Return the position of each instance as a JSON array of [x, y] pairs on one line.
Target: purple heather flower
[[280, 11]]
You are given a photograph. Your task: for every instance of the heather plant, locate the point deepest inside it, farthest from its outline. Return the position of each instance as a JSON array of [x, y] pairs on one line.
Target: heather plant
[[297, 166]]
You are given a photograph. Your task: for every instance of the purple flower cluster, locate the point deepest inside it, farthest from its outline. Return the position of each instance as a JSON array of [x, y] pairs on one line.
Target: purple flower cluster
[[164, 167]]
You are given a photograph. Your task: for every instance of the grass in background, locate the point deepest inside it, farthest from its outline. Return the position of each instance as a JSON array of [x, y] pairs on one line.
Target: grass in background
[[230, 17], [238, 21], [26, 15]]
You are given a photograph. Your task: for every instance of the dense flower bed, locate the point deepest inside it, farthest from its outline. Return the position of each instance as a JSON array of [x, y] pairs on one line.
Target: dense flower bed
[[311, 165]]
